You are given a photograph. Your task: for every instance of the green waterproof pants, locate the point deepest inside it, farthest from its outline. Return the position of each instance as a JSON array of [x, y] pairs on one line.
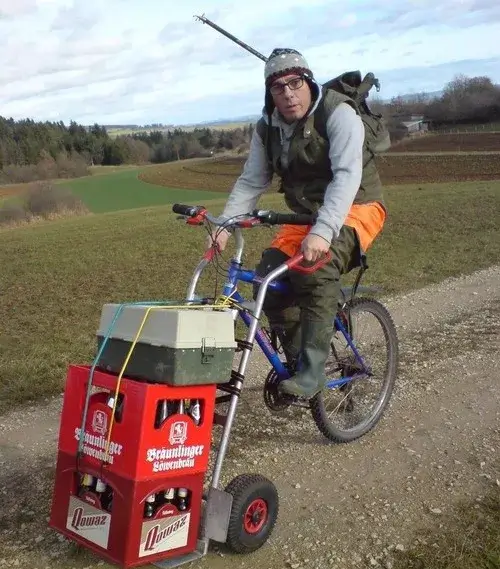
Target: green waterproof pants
[[303, 317]]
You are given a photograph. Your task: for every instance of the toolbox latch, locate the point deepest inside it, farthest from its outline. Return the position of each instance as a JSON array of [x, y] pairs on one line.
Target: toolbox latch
[[207, 350]]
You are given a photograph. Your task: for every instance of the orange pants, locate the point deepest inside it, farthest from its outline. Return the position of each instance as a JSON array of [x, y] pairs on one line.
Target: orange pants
[[366, 219]]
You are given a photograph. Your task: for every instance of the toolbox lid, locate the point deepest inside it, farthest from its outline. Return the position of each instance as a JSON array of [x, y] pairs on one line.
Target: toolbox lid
[[174, 328]]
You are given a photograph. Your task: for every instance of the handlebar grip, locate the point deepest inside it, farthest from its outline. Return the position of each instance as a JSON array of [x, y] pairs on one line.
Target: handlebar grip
[[293, 219], [190, 210], [274, 218]]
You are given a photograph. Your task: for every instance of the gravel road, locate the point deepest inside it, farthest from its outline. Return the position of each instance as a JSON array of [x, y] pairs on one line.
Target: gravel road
[[343, 506]]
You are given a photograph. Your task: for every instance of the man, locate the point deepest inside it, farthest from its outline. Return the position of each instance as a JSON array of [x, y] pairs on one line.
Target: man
[[330, 174]]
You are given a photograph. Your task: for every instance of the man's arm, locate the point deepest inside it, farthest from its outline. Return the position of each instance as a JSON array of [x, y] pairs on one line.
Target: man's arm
[[346, 135], [253, 181]]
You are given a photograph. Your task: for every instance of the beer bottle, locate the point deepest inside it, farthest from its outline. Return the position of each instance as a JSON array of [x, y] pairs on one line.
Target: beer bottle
[[107, 499], [195, 412], [87, 481], [169, 495], [182, 501], [161, 413], [100, 486], [149, 508], [100, 490], [119, 405]]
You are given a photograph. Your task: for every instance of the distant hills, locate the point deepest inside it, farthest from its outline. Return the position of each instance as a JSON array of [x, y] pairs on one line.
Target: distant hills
[[232, 122]]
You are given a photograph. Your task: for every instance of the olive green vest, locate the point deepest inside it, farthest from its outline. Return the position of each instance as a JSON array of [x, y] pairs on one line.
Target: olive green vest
[[305, 179]]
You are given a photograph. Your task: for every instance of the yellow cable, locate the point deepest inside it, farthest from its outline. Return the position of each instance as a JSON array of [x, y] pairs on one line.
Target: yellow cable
[[132, 347]]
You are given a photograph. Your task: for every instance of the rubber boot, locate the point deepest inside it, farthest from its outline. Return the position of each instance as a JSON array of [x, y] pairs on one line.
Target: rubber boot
[[289, 337], [310, 379], [285, 322]]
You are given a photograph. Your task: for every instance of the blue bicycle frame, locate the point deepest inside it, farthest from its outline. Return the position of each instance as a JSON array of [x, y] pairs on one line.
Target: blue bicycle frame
[[236, 274]]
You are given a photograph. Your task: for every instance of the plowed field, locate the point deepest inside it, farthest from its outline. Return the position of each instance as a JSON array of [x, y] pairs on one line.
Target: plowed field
[[220, 174], [458, 142], [12, 190]]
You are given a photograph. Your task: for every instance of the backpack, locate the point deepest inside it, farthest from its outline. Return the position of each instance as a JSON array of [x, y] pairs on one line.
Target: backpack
[[377, 137]]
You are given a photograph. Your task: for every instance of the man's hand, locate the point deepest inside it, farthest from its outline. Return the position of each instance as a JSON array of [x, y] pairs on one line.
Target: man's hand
[[220, 239], [314, 247]]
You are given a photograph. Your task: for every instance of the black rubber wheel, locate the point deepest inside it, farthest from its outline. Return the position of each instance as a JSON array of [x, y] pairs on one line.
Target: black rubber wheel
[[253, 513], [318, 403]]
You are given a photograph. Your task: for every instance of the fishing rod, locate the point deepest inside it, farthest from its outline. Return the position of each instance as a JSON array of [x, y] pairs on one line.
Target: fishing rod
[[231, 37]]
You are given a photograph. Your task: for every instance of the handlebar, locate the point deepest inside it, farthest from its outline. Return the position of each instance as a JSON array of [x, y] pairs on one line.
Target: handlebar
[[197, 215]]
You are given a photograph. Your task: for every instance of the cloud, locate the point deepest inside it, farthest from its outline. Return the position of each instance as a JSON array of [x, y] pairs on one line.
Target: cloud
[[76, 19], [125, 61], [12, 9], [176, 31], [432, 78], [426, 13]]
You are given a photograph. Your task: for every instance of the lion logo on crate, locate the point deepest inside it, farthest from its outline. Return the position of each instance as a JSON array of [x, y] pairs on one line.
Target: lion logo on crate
[[178, 433], [99, 422]]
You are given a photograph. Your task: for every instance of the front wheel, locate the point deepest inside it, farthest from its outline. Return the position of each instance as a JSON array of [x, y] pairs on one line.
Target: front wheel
[[253, 513], [347, 412]]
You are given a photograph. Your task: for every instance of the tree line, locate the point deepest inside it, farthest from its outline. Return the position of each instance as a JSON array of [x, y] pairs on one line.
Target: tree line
[[32, 150], [464, 100]]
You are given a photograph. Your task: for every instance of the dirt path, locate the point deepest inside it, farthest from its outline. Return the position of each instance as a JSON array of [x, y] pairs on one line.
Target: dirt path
[[341, 506]]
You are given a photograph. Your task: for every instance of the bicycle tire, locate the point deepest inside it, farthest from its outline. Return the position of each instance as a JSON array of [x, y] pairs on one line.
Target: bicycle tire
[[317, 405]]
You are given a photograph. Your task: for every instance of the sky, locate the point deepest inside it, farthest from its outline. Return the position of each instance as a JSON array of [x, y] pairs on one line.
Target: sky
[[149, 61]]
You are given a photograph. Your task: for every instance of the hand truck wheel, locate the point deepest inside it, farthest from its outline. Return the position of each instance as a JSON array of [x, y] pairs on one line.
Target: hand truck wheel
[[253, 513]]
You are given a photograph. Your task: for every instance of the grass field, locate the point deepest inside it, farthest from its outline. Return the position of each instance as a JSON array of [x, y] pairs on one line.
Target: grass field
[[468, 539], [123, 190], [113, 132], [61, 273], [113, 188]]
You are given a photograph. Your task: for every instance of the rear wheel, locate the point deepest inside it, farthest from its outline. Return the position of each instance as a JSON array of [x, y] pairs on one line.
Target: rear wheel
[[345, 413], [253, 513]]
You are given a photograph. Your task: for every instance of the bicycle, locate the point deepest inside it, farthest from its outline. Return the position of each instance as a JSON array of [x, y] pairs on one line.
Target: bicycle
[[352, 367], [243, 515]]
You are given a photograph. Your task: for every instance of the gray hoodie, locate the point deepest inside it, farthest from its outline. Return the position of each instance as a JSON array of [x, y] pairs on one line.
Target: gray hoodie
[[346, 134]]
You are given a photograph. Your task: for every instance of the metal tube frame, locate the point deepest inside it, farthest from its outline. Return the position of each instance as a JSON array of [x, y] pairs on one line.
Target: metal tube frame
[[252, 329]]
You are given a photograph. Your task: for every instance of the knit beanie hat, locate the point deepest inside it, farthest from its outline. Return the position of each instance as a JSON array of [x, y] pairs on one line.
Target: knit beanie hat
[[284, 61]]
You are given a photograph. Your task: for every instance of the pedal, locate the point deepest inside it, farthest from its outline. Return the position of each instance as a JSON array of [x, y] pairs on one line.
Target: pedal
[[302, 402]]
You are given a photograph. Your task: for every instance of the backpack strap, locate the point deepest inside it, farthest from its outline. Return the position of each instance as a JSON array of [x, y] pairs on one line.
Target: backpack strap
[[323, 110], [264, 131]]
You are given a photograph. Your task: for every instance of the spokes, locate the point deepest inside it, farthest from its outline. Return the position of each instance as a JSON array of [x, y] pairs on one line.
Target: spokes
[[350, 404], [360, 380]]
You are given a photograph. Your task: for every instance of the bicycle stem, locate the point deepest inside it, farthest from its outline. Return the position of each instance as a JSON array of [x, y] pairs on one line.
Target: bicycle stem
[[240, 244]]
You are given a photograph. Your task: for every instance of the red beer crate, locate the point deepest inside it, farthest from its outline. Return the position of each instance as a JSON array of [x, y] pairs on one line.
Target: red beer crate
[[116, 517], [139, 447]]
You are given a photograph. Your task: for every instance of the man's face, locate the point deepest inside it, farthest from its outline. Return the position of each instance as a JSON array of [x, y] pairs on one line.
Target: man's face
[[292, 97]]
